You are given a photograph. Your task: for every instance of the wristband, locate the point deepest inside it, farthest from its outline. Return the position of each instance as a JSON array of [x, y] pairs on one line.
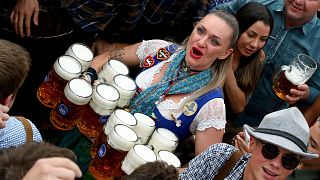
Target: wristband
[[90, 75]]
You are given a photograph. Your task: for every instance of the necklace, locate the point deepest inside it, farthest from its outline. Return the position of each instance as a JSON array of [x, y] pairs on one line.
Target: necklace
[[186, 69]]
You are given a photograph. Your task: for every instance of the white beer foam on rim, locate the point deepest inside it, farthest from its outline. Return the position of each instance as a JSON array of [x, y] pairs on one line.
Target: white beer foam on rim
[[145, 153], [82, 52], [119, 67], [170, 158], [144, 119], [168, 134], [125, 82], [126, 117], [126, 133], [69, 64], [108, 92], [295, 76], [81, 87]]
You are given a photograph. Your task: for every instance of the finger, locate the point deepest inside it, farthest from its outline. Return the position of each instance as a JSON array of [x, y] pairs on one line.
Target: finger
[[4, 109], [20, 25], [65, 163], [63, 173], [15, 23], [36, 16], [27, 25], [2, 124]]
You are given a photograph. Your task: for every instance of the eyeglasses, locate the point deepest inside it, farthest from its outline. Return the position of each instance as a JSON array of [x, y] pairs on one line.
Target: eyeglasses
[[270, 151]]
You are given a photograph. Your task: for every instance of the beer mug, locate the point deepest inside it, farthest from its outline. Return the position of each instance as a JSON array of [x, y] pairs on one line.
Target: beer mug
[[92, 118], [126, 87], [138, 155], [51, 89], [76, 94], [297, 73], [169, 158], [144, 128], [82, 53], [163, 139], [111, 69], [113, 148], [119, 116]]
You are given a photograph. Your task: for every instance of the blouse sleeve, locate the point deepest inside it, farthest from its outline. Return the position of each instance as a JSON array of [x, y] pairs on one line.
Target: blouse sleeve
[[150, 48], [212, 114]]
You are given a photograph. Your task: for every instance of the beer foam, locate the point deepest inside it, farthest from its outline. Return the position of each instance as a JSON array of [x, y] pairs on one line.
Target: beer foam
[[125, 82], [295, 75], [170, 158], [168, 134], [126, 133], [80, 87], [144, 119], [82, 52], [118, 66], [125, 117], [67, 67], [145, 153], [108, 92]]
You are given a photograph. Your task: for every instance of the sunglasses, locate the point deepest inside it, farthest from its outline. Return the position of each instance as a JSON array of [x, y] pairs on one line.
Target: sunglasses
[[270, 151]]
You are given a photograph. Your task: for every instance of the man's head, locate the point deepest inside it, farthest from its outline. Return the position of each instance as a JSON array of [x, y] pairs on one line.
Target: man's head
[[278, 145], [15, 162], [15, 63], [298, 12]]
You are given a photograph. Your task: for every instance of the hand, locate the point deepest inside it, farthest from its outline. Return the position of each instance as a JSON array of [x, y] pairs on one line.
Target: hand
[[3, 116], [240, 143], [301, 93], [53, 168], [100, 46], [21, 16]]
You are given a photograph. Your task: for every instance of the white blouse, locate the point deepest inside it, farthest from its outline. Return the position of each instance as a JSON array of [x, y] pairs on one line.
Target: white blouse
[[211, 114]]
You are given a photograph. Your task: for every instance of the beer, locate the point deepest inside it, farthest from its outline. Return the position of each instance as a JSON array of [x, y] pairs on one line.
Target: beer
[[137, 156], [297, 73], [51, 89], [144, 128], [104, 100], [169, 158], [107, 163], [82, 53], [119, 116], [111, 69], [126, 87], [77, 93], [163, 139]]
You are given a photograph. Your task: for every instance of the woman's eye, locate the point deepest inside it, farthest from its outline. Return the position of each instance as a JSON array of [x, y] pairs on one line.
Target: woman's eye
[[214, 42], [200, 30]]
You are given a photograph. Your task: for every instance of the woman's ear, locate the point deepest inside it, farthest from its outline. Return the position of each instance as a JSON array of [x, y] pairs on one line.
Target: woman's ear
[[226, 54]]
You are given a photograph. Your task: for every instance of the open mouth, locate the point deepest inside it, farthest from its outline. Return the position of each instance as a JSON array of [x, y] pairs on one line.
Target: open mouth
[[196, 53]]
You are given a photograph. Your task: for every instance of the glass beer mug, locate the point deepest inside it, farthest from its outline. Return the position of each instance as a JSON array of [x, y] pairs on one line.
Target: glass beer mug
[[64, 69], [111, 69], [126, 87], [297, 73], [163, 139], [118, 116], [82, 53], [169, 158], [113, 148], [76, 94], [138, 155], [144, 128], [95, 114]]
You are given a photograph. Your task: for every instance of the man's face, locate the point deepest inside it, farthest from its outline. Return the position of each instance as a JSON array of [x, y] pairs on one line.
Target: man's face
[[300, 11], [260, 168]]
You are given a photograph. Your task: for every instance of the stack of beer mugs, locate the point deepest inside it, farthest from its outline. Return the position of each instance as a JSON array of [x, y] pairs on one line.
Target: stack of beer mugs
[[95, 114]]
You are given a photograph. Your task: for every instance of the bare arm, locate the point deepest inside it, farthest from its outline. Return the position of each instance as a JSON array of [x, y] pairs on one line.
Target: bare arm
[[234, 94], [126, 54], [206, 138], [313, 112]]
